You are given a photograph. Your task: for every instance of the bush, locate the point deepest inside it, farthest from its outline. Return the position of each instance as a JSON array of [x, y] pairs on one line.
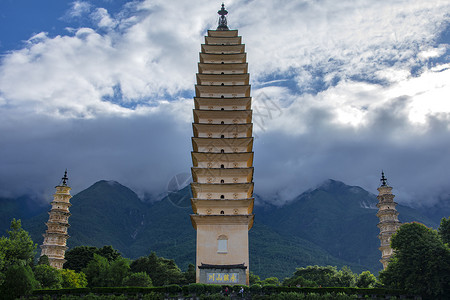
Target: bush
[[72, 279], [196, 288], [213, 288], [215, 296], [255, 289], [48, 277], [173, 289], [268, 289], [137, 279], [19, 281]]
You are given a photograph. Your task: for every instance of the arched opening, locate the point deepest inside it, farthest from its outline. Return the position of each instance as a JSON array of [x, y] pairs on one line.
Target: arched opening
[[222, 96], [222, 197], [222, 151], [222, 73], [222, 136], [222, 242], [222, 181], [222, 166], [222, 212], [222, 62], [222, 122], [222, 108], [222, 83]]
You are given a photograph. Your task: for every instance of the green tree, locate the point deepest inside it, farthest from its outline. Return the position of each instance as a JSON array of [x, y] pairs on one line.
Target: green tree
[[162, 271], [344, 278], [97, 271], [19, 281], [43, 260], [271, 280], [444, 230], [79, 257], [137, 279], [48, 277], [2, 264], [18, 247], [421, 263], [189, 275], [299, 281], [366, 280], [254, 279], [117, 271], [109, 253], [72, 279], [326, 276], [100, 272]]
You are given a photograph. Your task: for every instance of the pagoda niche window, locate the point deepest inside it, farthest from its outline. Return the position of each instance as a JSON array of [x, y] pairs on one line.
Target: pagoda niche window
[[222, 181], [222, 242]]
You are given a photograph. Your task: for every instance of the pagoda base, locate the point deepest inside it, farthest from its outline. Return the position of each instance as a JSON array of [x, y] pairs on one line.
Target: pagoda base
[[223, 274]]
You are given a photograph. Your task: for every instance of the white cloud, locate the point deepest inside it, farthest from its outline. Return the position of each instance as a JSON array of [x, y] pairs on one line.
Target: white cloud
[[78, 9], [103, 19], [340, 98]]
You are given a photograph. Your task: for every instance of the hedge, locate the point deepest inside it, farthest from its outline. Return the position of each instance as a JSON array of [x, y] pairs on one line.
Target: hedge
[[210, 289]]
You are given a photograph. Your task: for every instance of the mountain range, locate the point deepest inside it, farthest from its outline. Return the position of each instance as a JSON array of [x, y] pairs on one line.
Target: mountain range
[[333, 224]]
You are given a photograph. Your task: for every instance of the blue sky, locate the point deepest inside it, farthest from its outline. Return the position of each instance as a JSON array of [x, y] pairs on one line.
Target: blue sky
[[340, 90]]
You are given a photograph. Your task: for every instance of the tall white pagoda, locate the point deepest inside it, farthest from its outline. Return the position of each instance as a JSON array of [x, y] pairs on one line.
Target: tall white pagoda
[[222, 158], [55, 238], [389, 222]]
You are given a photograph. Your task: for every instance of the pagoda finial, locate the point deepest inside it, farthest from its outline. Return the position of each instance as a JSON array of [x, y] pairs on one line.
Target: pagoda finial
[[222, 19], [383, 179], [65, 178]]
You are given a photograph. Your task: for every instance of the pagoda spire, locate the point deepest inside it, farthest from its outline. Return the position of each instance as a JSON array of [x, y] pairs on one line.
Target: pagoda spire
[[389, 222], [55, 237], [222, 19], [383, 179], [65, 178]]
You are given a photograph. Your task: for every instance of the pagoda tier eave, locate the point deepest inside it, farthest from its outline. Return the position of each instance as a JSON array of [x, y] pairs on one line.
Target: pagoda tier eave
[[222, 157], [220, 172], [225, 58], [222, 114], [222, 142], [53, 246], [222, 220], [223, 33], [60, 212], [223, 48], [222, 187], [204, 68], [222, 102], [57, 223], [199, 128], [383, 203], [215, 203], [223, 40]]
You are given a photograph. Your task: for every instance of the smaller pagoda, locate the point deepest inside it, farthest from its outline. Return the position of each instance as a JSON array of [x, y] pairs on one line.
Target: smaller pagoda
[[55, 238], [389, 222]]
